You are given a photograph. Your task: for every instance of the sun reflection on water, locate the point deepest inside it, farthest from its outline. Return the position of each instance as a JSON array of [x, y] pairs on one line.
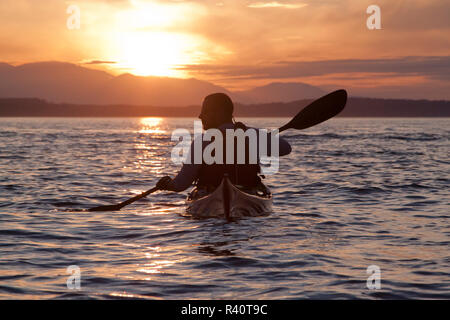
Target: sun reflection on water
[[123, 294], [151, 125], [149, 143], [156, 266]]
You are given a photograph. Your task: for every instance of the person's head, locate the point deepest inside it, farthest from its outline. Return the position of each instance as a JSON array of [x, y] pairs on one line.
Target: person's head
[[217, 109]]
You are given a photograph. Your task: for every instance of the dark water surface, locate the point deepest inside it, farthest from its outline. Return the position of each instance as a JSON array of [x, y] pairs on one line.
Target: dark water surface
[[353, 193]]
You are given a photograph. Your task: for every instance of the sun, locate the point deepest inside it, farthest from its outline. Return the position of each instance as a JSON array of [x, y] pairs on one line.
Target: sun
[[147, 40], [146, 53]]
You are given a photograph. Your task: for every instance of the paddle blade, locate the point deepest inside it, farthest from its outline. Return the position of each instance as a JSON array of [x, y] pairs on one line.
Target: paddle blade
[[318, 111]]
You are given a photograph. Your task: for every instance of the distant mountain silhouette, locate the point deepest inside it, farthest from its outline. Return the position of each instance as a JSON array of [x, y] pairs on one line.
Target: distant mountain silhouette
[[5, 67], [64, 89], [356, 107], [69, 83], [65, 82]]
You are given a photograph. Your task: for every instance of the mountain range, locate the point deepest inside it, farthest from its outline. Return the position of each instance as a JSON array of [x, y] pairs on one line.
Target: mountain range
[[64, 89], [59, 82], [356, 107]]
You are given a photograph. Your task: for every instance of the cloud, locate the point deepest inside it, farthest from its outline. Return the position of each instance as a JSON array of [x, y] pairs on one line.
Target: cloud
[[275, 4], [98, 62], [428, 66], [402, 77]]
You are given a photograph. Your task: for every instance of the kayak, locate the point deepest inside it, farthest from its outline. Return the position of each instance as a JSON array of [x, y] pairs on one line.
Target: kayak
[[229, 201]]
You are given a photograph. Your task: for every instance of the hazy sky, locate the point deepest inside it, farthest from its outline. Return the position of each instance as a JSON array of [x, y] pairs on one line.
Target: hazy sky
[[239, 43]]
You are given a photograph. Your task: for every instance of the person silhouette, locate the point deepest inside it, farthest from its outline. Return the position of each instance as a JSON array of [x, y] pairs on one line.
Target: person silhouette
[[217, 113]]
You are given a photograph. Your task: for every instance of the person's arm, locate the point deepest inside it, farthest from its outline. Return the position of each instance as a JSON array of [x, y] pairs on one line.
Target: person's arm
[[284, 147], [185, 177]]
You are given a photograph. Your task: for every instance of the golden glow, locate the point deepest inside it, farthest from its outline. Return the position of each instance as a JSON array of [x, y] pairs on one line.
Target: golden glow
[[145, 14], [154, 53], [146, 43], [151, 125], [156, 267], [149, 157], [122, 294]]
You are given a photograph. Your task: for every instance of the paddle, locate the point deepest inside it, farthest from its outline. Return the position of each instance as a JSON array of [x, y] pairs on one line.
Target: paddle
[[318, 111], [119, 206]]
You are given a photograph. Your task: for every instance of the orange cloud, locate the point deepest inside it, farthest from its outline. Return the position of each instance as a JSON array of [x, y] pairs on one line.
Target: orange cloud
[[275, 4]]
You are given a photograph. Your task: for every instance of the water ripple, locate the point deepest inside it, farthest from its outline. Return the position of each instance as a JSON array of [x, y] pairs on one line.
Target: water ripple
[[354, 193]]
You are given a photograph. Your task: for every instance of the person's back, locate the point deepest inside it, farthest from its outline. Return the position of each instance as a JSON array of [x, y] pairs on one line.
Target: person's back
[[237, 161], [243, 173]]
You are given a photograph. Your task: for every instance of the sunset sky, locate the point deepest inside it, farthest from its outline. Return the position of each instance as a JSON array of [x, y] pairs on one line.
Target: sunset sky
[[240, 44]]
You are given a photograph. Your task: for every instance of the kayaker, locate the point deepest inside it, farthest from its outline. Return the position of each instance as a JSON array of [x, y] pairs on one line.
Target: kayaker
[[217, 112]]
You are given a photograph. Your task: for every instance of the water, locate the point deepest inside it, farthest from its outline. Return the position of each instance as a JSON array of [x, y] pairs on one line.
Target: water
[[354, 193]]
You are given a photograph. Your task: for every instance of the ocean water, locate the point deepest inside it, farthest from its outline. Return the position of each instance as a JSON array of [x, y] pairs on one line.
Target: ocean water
[[353, 193]]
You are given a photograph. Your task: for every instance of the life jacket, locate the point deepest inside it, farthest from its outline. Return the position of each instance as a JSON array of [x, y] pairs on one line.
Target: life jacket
[[246, 175]]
